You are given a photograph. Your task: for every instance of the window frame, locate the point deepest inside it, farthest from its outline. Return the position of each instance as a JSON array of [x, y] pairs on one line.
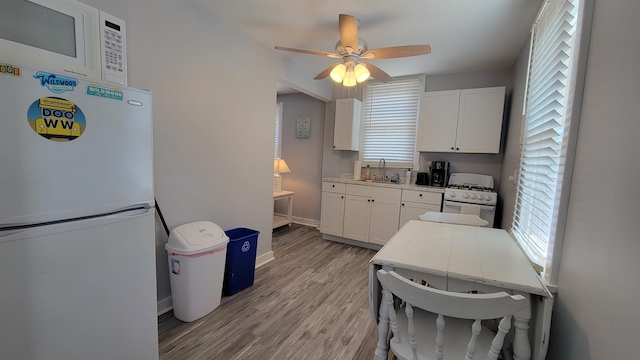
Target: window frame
[[549, 267], [389, 162]]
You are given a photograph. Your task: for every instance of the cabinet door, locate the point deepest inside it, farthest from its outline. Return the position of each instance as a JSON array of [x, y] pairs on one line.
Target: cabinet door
[[332, 213], [438, 121], [385, 215], [411, 211], [356, 217], [480, 120], [346, 132]]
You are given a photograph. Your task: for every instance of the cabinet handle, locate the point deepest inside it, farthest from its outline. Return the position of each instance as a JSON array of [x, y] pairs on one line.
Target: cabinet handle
[[373, 200], [457, 148], [368, 200], [451, 147], [402, 204], [420, 195], [333, 185], [342, 197]]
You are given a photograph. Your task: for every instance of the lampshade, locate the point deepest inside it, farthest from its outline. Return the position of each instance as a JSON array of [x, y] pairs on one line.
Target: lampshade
[[349, 75], [361, 72], [337, 74], [280, 166], [349, 78]]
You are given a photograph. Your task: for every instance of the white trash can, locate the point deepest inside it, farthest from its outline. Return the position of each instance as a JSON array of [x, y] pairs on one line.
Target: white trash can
[[197, 253]]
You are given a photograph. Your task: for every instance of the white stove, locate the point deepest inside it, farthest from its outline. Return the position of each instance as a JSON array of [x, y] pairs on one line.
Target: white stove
[[471, 194]]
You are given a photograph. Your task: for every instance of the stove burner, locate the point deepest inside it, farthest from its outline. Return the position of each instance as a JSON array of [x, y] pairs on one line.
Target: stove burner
[[470, 187]]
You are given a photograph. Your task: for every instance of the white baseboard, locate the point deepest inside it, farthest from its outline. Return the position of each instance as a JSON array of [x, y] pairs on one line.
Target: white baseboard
[[307, 222], [165, 305], [264, 259], [371, 246]]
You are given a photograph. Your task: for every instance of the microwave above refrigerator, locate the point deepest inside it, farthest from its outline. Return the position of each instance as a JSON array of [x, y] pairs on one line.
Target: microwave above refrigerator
[[64, 36]]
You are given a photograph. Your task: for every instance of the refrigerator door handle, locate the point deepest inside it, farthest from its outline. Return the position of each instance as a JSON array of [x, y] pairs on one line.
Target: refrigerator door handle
[[132, 210]]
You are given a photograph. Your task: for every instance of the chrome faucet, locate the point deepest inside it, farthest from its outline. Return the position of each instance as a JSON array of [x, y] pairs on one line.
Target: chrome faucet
[[384, 168]]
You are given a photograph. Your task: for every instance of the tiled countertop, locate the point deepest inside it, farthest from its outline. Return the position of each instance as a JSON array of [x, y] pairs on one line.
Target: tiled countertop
[[434, 189]]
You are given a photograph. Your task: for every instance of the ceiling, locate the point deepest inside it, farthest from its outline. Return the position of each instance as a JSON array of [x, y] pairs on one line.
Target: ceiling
[[465, 35]]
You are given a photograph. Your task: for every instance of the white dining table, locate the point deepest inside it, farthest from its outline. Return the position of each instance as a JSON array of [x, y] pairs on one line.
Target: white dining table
[[466, 258]]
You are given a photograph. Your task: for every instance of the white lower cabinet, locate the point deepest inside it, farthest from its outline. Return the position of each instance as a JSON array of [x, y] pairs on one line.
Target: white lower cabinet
[[332, 208], [416, 203], [371, 214]]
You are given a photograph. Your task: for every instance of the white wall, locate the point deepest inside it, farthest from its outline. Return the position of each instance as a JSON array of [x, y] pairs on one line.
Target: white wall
[[214, 91], [597, 313], [304, 156]]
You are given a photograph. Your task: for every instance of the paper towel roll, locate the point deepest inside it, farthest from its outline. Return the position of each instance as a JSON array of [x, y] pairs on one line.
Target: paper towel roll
[[470, 209], [357, 170]]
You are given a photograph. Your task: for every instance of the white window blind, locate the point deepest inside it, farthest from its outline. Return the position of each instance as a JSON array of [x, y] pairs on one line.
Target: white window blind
[[538, 221], [278, 131], [390, 118]]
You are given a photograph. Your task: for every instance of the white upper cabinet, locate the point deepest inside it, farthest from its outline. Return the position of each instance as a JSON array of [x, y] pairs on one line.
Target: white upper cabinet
[[346, 133], [466, 121]]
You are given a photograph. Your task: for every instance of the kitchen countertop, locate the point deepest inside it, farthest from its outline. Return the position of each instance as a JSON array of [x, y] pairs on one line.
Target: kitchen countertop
[[435, 189]]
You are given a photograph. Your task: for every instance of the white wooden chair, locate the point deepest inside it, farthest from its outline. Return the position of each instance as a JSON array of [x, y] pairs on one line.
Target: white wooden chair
[[450, 218], [420, 330]]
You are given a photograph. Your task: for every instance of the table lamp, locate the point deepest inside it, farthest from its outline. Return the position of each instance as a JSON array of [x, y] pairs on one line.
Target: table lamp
[[279, 167]]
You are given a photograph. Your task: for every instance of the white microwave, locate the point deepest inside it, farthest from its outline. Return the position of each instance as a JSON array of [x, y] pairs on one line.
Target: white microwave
[[65, 36]]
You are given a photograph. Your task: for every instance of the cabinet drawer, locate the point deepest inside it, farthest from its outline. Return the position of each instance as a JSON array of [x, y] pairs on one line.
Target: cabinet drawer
[[424, 197], [333, 187], [374, 192]]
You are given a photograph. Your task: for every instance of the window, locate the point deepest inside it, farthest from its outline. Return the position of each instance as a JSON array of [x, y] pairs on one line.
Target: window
[[390, 118], [277, 149], [551, 113]]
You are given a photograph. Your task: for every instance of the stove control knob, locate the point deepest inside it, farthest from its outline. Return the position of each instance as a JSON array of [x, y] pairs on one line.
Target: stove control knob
[[466, 196], [480, 197], [452, 194], [473, 196], [489, 197]]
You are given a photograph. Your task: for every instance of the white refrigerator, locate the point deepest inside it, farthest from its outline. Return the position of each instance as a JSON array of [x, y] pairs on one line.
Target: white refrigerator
[[77, 244]]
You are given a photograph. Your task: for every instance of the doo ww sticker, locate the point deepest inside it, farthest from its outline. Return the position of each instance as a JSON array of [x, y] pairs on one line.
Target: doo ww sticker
[[56, 83], [56, 119]]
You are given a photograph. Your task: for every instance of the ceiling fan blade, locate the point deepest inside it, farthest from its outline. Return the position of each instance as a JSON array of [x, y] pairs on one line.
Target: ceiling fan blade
[[396, 52], [348, 31], [326, 72], [310, 52], [377, 73]]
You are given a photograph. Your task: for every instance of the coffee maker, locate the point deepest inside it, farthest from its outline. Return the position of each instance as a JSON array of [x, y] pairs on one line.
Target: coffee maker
[[439, 172]]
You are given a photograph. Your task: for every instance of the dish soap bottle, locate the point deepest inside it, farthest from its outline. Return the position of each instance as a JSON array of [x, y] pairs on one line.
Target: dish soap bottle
[[367, 174]]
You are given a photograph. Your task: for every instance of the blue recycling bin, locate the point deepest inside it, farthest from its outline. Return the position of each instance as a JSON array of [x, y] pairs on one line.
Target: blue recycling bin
[[240, 265]]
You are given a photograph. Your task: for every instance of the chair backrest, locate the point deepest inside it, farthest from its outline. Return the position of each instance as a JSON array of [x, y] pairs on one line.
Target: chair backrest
[[451, 218], [442, 303]]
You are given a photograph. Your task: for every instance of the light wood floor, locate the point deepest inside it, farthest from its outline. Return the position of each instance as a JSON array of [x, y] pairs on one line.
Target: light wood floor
[[311, 302]]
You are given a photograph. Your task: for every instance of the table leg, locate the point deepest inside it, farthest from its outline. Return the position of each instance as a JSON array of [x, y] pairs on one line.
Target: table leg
[[290, 211], [382, 349], [521, 346]]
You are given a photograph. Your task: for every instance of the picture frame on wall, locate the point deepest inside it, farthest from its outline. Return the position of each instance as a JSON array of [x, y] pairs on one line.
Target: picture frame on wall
[[303, 128]]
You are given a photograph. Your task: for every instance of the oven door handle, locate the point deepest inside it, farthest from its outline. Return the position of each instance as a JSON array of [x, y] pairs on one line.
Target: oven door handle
[[459, 204]]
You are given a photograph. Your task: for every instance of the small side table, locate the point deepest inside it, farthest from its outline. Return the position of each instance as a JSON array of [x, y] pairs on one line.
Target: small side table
[[283, 219]]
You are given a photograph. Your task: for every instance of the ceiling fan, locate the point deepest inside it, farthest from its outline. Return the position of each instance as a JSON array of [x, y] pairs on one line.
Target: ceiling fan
[[351, 49]]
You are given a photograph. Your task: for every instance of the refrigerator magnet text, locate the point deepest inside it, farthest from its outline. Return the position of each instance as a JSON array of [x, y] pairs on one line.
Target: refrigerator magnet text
[[56, 119], [105, 92], [10, 70], [56, 83]]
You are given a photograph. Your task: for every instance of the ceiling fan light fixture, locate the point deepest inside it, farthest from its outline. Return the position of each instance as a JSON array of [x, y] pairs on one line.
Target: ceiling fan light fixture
[[337, 74], [361, 73], [349, 78]]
